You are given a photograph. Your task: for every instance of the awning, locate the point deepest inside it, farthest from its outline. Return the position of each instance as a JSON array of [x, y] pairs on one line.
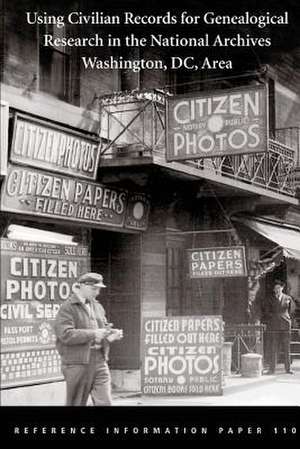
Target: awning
[[287, 237]]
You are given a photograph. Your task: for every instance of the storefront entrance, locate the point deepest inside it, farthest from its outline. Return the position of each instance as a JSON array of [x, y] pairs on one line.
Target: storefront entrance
[[117, 257]]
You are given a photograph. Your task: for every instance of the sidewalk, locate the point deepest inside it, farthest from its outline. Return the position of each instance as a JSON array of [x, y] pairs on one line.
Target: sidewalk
[[280, 389]]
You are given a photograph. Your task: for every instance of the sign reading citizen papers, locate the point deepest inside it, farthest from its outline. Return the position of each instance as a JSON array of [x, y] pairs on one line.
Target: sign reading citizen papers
[[33, 192], [182, 355], [217, 262], [44, 145], [225, 122]]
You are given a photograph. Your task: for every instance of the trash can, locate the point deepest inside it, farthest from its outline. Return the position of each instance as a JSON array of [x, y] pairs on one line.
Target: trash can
[[251, 365], [226, 358]]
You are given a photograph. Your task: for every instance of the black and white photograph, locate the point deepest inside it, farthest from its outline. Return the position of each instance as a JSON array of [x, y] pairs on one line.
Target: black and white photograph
[[150, 220]]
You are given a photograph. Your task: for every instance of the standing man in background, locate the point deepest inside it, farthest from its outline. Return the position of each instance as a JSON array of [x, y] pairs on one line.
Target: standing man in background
[[280, 320], [83, 336]]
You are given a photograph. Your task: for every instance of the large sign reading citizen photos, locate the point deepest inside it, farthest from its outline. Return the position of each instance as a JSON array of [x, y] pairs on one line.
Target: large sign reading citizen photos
[[217, 262], [36, 278], [42, 144], [223, 122], [182, 355]]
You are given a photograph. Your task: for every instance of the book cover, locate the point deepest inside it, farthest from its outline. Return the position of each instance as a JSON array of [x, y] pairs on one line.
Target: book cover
[[157, 145]]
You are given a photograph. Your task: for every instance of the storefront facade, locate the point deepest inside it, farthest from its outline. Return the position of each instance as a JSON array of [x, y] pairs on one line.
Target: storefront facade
[[58, 222]]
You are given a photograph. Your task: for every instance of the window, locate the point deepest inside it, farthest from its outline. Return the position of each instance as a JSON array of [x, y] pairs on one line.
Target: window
[[55, 64], [175, 271]]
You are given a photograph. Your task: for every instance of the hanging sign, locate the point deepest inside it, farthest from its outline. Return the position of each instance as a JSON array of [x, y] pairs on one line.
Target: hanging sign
[[219, 262], [182, 355], [45, 145], [219, 123]]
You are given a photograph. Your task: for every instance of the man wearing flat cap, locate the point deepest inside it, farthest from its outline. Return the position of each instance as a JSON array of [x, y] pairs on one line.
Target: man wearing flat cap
[[83, 337]]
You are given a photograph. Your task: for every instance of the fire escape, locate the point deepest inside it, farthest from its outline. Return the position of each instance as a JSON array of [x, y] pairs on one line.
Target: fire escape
[[134, 124]]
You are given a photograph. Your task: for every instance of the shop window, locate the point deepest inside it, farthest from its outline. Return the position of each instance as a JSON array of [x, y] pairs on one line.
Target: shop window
[[55, 65], [174, 280]]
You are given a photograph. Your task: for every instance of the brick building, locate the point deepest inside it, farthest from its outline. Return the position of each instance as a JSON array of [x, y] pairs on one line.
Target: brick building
[[223, 201]]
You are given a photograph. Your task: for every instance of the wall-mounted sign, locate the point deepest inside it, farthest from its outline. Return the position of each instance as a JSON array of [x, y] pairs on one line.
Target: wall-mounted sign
[[33, 192], [36, 278], [217, 262], [224, 122], [138, 209], [182, 355], [4, 110], [41, 144]]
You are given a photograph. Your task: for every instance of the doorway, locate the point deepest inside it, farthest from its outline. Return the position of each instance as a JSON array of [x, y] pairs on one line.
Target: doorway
[[117, 257]]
